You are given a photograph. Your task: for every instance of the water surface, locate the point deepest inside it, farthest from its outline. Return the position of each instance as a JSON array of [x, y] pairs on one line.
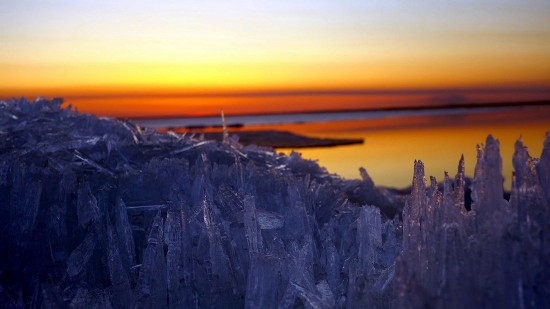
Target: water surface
[[392, 145], [393, 140]]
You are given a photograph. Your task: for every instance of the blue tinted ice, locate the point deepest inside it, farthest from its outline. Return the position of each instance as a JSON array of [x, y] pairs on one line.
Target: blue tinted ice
[[99, 213]]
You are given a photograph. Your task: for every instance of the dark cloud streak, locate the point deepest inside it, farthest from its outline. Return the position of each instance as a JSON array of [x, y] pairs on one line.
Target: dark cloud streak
[[450, 92]]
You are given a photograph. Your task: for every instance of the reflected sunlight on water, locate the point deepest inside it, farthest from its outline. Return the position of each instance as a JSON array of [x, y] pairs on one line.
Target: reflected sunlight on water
[[391, 146]]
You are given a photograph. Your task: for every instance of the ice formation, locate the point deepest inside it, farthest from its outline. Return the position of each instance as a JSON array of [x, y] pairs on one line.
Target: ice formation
[[98, 213], [495, 256]]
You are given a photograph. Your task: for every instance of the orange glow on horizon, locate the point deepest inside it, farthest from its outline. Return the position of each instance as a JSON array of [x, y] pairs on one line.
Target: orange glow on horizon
[[138, 51], [172, 102]]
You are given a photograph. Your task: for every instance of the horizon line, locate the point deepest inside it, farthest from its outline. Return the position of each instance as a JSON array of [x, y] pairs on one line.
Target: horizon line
[[443, 106], [71, 93]]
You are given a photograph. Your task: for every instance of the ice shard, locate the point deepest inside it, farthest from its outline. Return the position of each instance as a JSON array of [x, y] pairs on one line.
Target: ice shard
[[487, 257], [177, 276], [152, 287], [122, 294], [98, 213]]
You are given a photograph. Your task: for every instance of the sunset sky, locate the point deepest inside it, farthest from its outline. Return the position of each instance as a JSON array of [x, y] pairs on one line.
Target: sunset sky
[[118, 57]]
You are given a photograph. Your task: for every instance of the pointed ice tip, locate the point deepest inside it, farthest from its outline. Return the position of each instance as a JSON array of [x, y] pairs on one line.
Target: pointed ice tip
[[492, 149], [491, 141], [419, 168], [519, 145], [461, 163], [224, 128], [364, 175], [519, 140]]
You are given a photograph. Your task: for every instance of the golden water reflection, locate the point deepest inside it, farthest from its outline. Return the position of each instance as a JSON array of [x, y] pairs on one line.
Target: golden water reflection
[[389, 151]]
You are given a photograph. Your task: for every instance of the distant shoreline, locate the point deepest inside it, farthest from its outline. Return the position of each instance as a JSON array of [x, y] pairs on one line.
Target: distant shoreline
[[283, 139], [378, 109], [237, 121]]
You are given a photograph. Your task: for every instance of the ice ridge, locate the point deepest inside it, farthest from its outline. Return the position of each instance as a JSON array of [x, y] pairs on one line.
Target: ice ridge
[[99, 213]]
